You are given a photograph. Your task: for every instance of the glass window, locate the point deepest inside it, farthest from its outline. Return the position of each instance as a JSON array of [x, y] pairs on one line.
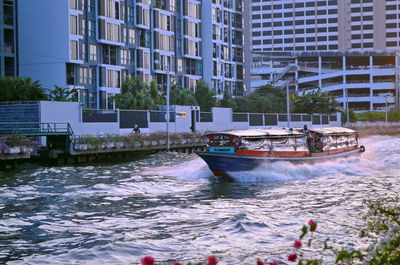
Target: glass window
[[74, 50]]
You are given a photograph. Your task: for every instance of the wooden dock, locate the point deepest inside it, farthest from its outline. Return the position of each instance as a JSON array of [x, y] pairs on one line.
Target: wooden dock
[[105, 154], [11, 161]]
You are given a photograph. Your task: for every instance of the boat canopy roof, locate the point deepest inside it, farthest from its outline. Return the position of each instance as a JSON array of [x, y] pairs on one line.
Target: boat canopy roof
[[258, 133], [334, 131]]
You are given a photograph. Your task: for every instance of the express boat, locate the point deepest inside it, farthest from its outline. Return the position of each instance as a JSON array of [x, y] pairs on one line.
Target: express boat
[[244, 150]]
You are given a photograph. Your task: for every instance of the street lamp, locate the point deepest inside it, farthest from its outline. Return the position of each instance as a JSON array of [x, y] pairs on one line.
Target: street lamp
[[347, 107], [166, 68], [386, 95]]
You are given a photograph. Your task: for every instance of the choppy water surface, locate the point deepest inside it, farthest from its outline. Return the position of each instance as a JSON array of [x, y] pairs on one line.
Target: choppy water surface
[[169, 206]]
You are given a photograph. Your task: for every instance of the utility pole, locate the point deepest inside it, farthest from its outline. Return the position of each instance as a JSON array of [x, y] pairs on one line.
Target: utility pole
[[287, 104], [347, 107], [386, 110], [167, 117]]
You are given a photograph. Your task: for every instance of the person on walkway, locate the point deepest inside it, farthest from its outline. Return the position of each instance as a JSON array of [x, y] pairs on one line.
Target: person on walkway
[[136, 129]]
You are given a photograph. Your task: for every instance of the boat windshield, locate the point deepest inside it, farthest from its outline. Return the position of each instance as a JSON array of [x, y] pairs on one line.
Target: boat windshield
[[223, 140]]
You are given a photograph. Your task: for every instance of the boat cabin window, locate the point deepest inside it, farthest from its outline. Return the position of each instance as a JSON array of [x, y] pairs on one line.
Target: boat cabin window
[[223, 140]]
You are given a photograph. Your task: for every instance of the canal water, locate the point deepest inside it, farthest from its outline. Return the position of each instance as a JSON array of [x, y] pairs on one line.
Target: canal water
[[170, 207]]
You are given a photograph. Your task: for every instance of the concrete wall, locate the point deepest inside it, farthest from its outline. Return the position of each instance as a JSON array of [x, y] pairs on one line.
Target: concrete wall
[[64, 112], [51, 111], [43, 41]]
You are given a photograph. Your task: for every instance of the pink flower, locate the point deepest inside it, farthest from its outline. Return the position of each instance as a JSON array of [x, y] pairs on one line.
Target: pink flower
[[297, 244], [292, 257], [212, 260], [260, 262], [147, 261], [274, 263], [177, 263], [313, 225]]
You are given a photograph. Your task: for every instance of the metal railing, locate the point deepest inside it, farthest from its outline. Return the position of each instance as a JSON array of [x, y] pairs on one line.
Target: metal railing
[[36, 128]]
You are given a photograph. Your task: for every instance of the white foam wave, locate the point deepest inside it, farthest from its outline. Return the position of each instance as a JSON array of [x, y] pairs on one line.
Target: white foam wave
[[194, 169]]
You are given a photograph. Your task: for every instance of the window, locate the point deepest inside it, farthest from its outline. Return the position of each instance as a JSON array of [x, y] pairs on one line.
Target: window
[[179, 65], [124, 56], [72, 4], [193, 10], [143, 59], [192, 48], [92, 52], [131, 38], [74, 50], [86, 75], [83, 51], [92, 28], [113, 78], [142, 16], [82, 30], [73, 24], [109, 54], [117, 33]]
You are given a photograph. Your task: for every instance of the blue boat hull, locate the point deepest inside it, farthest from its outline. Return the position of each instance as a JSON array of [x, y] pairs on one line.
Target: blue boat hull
[[222, 164]]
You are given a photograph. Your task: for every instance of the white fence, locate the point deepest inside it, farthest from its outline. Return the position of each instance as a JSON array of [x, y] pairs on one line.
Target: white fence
[[183, 119]]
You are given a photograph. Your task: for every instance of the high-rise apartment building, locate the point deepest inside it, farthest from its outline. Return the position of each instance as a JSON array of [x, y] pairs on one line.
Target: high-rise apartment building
[[8, 38], [222, 44], [321, 25], [347, 48], [93, 45]]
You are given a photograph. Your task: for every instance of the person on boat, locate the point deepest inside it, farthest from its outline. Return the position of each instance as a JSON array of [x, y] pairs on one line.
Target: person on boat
[[318, 143], [136, 129], [305, 129], [311, 142]]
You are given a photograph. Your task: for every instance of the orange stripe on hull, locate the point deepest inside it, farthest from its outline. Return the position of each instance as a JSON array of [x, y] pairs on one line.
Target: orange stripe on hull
[[294, 154]]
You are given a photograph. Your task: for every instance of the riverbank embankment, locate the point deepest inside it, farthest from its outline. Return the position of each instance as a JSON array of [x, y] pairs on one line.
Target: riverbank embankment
[[366, 130]]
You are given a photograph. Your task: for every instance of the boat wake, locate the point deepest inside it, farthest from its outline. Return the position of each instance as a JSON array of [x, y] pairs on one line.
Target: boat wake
[[370, 163], [194, 169], [284, 171]]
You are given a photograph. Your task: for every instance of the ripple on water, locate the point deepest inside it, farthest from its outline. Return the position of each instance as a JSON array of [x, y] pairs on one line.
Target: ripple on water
[[168, 206]]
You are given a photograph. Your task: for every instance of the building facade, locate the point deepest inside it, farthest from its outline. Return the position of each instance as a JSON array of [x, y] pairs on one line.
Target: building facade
[[93, 46], [311, 25], [8, 38], [348, 48], [366, 81]]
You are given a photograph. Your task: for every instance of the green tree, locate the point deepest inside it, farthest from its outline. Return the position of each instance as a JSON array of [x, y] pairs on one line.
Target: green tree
[[204, 96], [265, 99], [135, 95], [20, 89], [62, 94], [227, 101], [315, 102], [156, 93], [182, 96], [133, 85], [139, 101]]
